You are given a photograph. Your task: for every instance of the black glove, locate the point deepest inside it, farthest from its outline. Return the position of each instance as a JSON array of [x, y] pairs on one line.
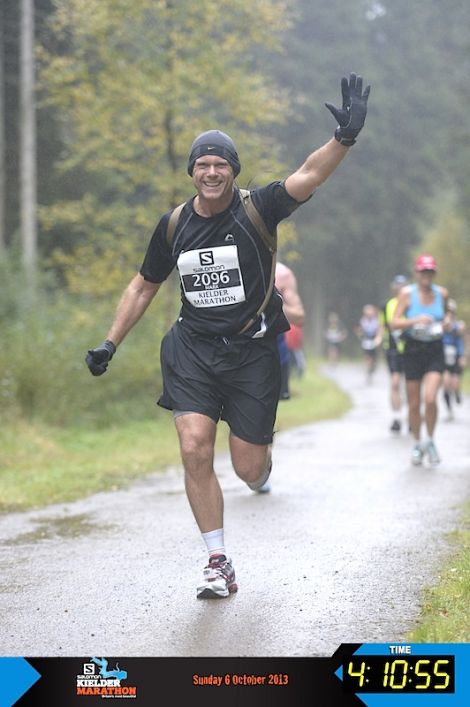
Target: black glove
[[97, 359], [352, 115]]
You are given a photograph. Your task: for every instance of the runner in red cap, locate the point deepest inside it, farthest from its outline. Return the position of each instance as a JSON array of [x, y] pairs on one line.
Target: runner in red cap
[[425, 262], [421, 314]]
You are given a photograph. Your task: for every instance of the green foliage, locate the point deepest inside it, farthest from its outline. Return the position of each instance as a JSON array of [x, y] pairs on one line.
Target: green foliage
[[125, 85], [43, 372], [357, 232], [449, 241], [133, 83]]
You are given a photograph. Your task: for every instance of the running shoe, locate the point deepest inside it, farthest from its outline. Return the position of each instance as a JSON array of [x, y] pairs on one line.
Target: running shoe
[[417, 455], [395, 426], [218, 579], [432, 454]]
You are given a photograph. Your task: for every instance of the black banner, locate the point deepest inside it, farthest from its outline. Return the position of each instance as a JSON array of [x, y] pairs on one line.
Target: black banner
[[150, 682]]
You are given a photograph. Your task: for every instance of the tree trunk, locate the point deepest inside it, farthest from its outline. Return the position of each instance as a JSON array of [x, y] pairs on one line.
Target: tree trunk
[[28, 143]]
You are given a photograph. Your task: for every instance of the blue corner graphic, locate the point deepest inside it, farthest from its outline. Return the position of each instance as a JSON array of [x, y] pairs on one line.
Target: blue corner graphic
[[16, 677]]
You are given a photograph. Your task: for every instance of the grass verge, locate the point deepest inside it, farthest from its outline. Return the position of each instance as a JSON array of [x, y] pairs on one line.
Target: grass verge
[[40, 464], [445, 616], [445, 613]]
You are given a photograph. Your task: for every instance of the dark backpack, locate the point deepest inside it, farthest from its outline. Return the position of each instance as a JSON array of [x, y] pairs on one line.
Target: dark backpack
[[269, 239]]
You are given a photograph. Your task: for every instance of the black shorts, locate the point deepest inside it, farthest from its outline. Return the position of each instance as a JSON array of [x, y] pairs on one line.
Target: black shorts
[[455, 369], [236, 380], [394, 360], [422, 357], [369, 352]]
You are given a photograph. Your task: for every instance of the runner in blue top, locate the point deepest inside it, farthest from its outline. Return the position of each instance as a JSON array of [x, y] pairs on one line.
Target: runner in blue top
[[421, 314], [220, 360]]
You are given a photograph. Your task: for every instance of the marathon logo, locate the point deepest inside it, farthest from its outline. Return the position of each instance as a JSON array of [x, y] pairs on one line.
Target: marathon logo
[[105, 682]]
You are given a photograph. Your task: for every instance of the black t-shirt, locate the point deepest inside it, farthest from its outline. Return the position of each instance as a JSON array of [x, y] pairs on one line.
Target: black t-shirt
[[224, 265]]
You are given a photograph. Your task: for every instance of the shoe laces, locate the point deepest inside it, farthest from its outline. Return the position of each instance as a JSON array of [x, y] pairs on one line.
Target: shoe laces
[[218, 566]]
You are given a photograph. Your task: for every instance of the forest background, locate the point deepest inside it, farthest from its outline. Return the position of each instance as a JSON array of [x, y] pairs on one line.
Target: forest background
[[121, 89]]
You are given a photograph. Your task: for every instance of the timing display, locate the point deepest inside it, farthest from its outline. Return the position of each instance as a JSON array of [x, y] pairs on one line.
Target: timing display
[[429, 674]]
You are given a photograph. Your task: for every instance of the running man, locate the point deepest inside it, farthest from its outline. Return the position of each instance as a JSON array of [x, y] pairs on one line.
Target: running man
[[369, 334], [454, 358], [421, 314], [393, 346], [335, 335], [286, 285], [220, 359]]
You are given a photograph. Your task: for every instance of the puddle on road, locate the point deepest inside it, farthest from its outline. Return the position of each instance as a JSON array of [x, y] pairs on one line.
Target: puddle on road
[[66, 527]]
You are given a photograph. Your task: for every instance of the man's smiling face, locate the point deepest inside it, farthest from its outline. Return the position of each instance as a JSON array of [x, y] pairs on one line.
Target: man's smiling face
[[213, 177]]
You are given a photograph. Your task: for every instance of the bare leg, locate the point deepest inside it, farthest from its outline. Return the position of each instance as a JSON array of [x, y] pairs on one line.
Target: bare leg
[[395, 398], [447, 385], [413, 392], [197, 437], [432, 382], [455, 384], [250, 461]]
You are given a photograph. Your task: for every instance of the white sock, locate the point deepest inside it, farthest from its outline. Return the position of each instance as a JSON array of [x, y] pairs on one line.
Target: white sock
[[214, 540]]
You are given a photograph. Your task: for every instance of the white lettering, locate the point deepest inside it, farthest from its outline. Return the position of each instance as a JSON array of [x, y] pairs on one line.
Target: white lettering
[[400, 650]]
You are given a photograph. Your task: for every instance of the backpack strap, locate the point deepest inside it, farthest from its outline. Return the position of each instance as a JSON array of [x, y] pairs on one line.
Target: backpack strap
[[172, 223], [267, 297], [270, 241], [268, 238]]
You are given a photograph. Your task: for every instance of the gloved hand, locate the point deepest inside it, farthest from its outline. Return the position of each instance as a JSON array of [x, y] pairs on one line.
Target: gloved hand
[[352, 115], [97, 359]]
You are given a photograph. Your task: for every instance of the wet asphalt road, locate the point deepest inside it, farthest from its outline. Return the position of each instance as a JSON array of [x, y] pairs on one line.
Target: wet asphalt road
[[339, 551]]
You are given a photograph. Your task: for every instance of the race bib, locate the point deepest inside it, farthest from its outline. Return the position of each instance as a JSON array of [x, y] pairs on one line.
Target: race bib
[[427, 332], [211, 277], [368, 344], [450, 355]]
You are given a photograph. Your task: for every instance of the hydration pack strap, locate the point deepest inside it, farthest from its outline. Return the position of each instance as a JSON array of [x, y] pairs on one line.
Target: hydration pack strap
[[269, 239]]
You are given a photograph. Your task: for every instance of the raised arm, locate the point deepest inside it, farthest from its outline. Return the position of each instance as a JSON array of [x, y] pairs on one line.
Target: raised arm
[[322, 162], [315, 170]]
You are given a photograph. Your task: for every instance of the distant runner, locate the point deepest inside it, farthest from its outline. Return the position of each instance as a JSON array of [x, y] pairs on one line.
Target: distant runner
[[286, 285], [393, 347], [454, 358], [421, 313], [335, 334], [369, 333]]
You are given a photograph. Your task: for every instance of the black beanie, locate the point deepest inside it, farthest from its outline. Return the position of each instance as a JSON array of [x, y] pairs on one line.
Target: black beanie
[[214, 142]]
